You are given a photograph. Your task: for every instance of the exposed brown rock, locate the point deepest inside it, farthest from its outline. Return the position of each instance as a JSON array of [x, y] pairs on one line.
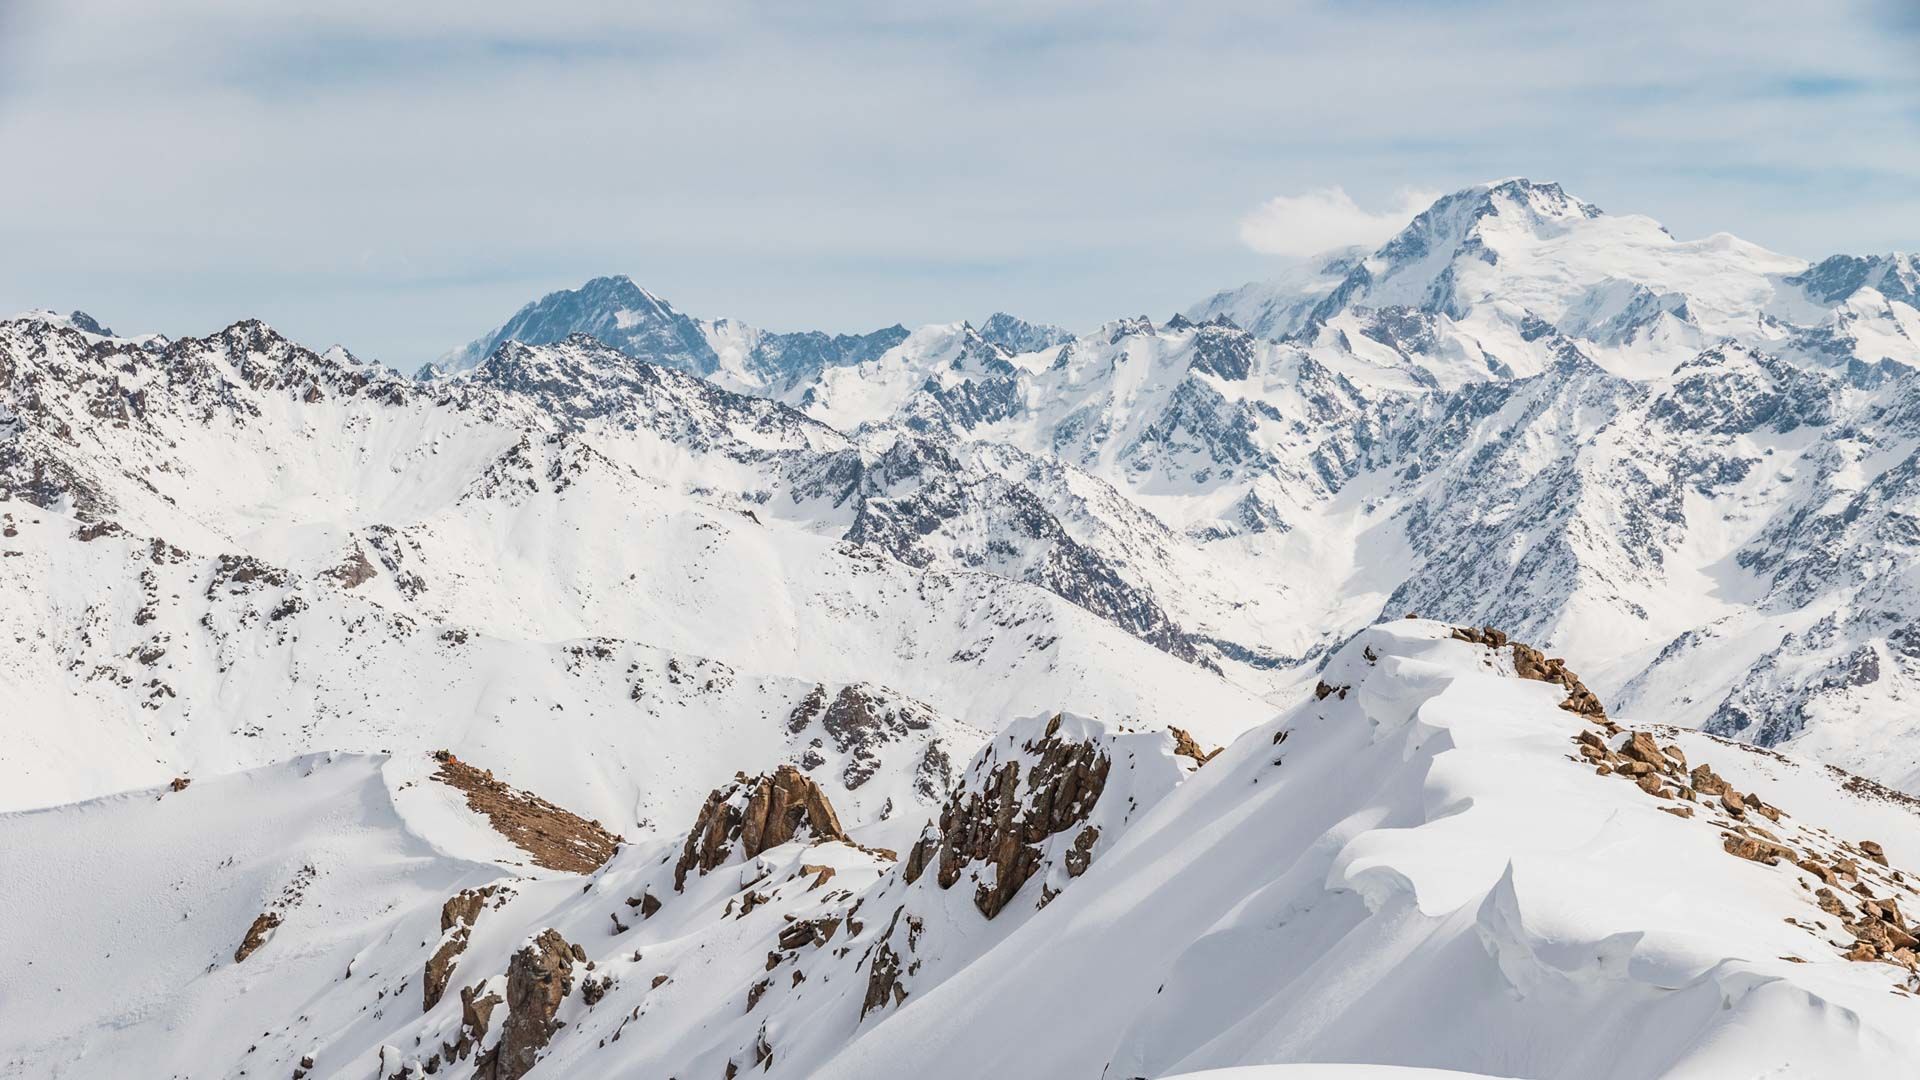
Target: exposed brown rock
[[1873, 851], [553, 837], [179, 783], [809, 708], [1080, 856], [592, 989], [1531, 663], [456, 922], [1758, 849], [1480, 635], [1706, 781], [1185, 746], [89, 533], [883, 972], [539, 978], [355, 571], [1001, 826], [754, 815], [1814, 866], [257, 934], [809, 932], [1641, 747]]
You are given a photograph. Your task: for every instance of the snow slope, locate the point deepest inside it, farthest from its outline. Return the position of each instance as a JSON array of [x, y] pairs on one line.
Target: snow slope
[[1415, 869], [614, 580]]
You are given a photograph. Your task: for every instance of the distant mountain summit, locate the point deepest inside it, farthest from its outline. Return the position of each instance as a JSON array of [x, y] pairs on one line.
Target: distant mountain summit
[[1489, 280], [631, 320], [1020, 336], [613, 309], [1895, 277]]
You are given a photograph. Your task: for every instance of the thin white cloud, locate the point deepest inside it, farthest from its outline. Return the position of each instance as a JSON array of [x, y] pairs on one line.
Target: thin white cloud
[[402, 176], [1324, 219]]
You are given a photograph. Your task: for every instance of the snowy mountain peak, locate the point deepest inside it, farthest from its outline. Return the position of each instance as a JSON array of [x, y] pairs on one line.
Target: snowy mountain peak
[[1484, 269], [74, 320], [1837, 278], [640, 324], [613, 309], [1456, 221], [1020, 336]]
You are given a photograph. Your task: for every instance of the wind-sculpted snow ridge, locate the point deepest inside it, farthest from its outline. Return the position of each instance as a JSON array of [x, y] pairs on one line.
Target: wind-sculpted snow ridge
[[1417, 869], [1449, 861]]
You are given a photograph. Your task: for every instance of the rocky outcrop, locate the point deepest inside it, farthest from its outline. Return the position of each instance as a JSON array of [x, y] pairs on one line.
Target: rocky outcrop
[[884, 967], [539, 978], [860, 721], [355, 571], [1531, 663], [456, 927], [553, 837], [1186, 746], [1850, 882], [257, 935], [751, 815], [1004, 824]]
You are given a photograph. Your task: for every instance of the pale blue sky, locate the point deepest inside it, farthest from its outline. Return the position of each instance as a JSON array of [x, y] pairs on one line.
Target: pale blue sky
[[401, 177]]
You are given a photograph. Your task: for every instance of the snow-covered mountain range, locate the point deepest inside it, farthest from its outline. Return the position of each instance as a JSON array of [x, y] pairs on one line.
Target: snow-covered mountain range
[[921, 640]]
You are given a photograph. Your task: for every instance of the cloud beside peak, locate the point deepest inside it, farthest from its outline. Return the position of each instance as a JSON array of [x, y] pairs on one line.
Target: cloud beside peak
[[1324, 219]]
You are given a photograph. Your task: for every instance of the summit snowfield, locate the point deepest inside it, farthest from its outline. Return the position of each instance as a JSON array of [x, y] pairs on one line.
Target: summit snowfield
[[644, 694]]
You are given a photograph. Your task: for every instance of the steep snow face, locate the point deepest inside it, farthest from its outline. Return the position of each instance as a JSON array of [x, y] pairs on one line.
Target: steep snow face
[[1418, 871], [129, 911], [1278, 307], [1408, 867]]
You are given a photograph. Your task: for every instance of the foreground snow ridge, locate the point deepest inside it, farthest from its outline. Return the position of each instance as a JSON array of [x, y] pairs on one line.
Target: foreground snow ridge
[[1446, 861]]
